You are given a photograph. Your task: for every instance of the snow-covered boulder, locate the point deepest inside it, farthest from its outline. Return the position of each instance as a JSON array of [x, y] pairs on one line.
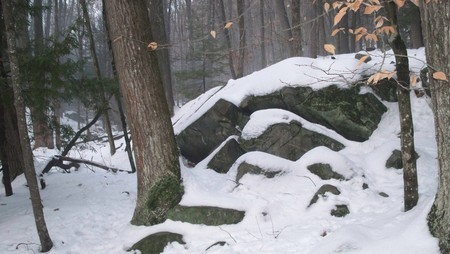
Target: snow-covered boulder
[[200, 138], [350, 113], [288, 140]]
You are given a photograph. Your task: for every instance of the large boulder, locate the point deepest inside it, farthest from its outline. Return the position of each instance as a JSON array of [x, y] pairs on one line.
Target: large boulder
[[289, 141], [246, 168], [199, 139], [351, 114], [226, 156], [205, 215], [155, 243]]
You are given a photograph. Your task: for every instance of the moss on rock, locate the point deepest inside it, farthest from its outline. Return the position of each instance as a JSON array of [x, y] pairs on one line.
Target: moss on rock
[[155, 243], [206, 215]]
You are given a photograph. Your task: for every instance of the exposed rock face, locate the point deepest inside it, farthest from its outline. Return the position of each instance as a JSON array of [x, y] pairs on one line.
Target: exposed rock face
[[289, 141], [156, 243], [340, 211], [355, 116], [206, 215], [226, 156], [199, 139], [322, 190], [386, 89], [246, 168], [324, 171]]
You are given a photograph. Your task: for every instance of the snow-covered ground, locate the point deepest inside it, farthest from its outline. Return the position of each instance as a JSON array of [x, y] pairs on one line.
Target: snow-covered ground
[[88, 211]]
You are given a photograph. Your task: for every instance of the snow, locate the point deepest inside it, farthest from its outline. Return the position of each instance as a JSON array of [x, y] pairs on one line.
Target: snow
[[89, 210]]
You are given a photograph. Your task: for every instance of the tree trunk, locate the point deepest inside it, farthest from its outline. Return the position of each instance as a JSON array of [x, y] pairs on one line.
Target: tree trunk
[[411, 189], [159, 180], [242, 39], [436, 25], [46, 242], [118, 95], [156, 12], [296, 28], [226, 32], [286, 32], [98, 75], [6, 179], [263, 34], [416, 28]]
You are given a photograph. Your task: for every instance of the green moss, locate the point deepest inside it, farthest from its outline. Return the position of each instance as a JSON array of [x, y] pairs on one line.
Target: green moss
[[206, 215], [155, 243], [162, 196]]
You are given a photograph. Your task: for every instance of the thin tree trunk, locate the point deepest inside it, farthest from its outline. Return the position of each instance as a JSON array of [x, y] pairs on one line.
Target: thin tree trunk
[[296, 28], [87, 19], [286, 32], [263, 34], [224, 20], [242, 39], [411, 188], [46, 242]]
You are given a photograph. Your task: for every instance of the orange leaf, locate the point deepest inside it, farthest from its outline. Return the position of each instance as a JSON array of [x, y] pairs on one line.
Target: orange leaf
[[372, 8], [335, 31], [440, 76], [340, 15], [330, 48], [413, 80]]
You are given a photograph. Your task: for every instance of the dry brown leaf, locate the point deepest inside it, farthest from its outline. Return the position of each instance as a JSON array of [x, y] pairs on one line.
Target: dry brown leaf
[[413, 80], [340, 15], [439, 75], [335, 31], [152, 45], [371, 8], [390, 75], [326, 7], [228, 25], [213, 34], [362, 60], [330, 48]]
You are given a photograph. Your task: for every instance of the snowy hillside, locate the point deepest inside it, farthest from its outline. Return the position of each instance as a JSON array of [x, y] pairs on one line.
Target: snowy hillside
[[88, 211]]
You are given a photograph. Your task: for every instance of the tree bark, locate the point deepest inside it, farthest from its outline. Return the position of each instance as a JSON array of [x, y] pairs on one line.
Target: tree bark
[[242, 39], [226, 32], [436, 25], [158, 169], [286, 32], [118, 95], [263, 34], [296, 28], [156, 12], [30, 173], [411, 188]]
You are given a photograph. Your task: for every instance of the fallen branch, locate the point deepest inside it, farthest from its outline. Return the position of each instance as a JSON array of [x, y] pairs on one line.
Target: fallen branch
[[95, 164]]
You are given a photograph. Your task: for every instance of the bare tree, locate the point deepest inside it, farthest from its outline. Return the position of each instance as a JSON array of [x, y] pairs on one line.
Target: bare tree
[[30, 173]]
